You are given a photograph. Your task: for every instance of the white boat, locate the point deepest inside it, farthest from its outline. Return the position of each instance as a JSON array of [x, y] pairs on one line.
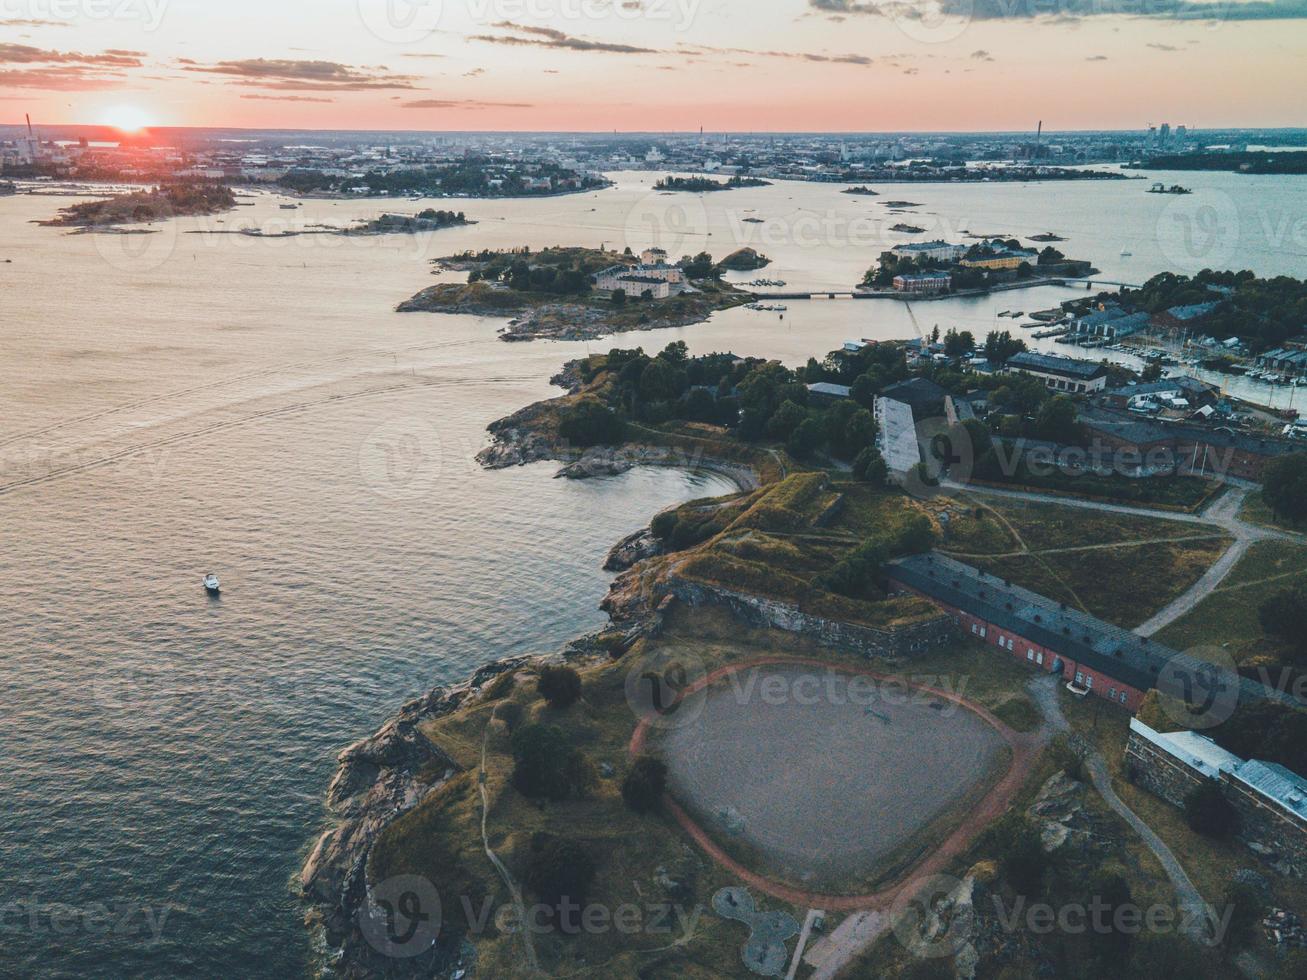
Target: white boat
[[211, 584], [1126, 253]]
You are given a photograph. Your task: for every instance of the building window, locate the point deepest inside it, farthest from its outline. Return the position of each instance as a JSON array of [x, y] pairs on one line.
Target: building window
[[1030, 655], [1080, 678], [1111, 693], [1123, 697], [984, 630], [1039, 657], [1089, 680]]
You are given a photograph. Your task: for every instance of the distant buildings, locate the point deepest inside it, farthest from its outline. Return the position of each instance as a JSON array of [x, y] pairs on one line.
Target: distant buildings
[[936, 251], [1060, 373], [997, 255], [1185, 317], [923, 282], [653, 275]]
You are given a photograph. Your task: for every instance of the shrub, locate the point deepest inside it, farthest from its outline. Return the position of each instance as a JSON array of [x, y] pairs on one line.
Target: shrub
[[643, 787], [560, 686], [1284, 616], [1244, 907], [559, 868], [664, 524], [547, 766], [1014, 843], [589, 422], [1208, 812], [1284, 486]]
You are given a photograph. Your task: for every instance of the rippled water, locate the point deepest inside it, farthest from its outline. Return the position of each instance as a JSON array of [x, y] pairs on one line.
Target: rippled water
[[182, 403]]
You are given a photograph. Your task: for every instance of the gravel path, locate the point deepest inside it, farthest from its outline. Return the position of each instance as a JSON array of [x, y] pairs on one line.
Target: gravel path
[[1196, 912]]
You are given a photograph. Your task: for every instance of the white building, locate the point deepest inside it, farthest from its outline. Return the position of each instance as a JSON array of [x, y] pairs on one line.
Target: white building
[[897, 436], [936, 251]]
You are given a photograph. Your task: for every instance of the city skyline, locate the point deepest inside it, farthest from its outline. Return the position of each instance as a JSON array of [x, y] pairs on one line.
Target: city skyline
[[572, 66]]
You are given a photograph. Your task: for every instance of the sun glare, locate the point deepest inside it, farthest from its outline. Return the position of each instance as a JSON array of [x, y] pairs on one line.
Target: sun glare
[[128, 118]]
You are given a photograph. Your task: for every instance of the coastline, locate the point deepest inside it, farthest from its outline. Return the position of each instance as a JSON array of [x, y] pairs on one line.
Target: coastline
[[383, 776]]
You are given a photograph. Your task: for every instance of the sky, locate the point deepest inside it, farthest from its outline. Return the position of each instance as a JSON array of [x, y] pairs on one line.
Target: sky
[[656, 65]]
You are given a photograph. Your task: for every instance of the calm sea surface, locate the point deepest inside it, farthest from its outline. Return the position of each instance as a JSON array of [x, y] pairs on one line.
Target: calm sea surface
[[179, 403]]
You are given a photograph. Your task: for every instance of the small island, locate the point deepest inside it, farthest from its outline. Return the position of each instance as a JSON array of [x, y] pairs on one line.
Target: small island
[[573, 293], [920, 270], [409, 224], [702, 184], [899, 205], [745, 260], [907, 229], [861, 190], [170, 200]]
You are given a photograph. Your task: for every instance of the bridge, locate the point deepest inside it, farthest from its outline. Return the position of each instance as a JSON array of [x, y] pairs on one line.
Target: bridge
[[1088, 282]]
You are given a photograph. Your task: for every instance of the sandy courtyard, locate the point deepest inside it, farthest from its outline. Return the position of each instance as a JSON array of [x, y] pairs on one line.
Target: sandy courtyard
[[819, 775]]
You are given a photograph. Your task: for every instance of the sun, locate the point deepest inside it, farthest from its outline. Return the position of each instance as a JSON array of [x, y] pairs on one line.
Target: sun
[[127, 118]]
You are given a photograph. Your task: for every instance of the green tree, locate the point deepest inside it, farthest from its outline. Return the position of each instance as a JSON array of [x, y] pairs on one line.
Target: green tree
[[806, 439], [869, 467], [560, 686], [547, 766], [1208, 812], [559, 868], [1000, 346], [958, 344], [1284, 616], [644, 785], [1284, 486], [787, 418], [1058, 421], [618, 298], [589, 422], [1246, 909], [661, 380]]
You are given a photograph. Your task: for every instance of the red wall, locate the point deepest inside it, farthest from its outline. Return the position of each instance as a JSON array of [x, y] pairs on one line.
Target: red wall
[[1104, 686]]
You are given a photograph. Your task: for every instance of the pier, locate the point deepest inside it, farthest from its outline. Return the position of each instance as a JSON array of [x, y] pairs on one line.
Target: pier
[[1088, 282]]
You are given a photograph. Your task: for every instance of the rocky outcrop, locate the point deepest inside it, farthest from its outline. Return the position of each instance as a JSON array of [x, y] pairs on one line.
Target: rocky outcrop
[[378, 779], [632, 549]]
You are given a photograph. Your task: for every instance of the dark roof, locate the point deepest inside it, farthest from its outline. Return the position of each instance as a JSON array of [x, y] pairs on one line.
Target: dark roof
[[1089, 641], [1052, 364], [917, 392]]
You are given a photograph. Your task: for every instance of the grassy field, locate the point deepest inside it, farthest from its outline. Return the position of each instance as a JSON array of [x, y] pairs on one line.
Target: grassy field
[[1228, 617], [1257, 511], [1181, 493], [1046, 526], [1124, 584]]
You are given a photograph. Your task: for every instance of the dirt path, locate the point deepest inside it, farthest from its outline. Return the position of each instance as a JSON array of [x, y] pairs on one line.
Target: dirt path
[[1222, 513], [1196, 912]]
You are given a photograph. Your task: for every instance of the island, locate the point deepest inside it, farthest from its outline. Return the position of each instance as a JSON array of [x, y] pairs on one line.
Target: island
[[907, 229], [573, 293], [473, 176], [167, 200], [744, 260], [702, 184], [924, 270], [817, 617], [1246, 162], [429, 219], [861, 190]]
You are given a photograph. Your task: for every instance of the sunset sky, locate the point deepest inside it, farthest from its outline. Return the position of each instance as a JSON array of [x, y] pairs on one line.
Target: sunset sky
[[639, 65]]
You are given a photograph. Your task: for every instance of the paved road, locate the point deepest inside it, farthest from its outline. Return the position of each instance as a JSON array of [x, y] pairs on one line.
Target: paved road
[[1196, 912]]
